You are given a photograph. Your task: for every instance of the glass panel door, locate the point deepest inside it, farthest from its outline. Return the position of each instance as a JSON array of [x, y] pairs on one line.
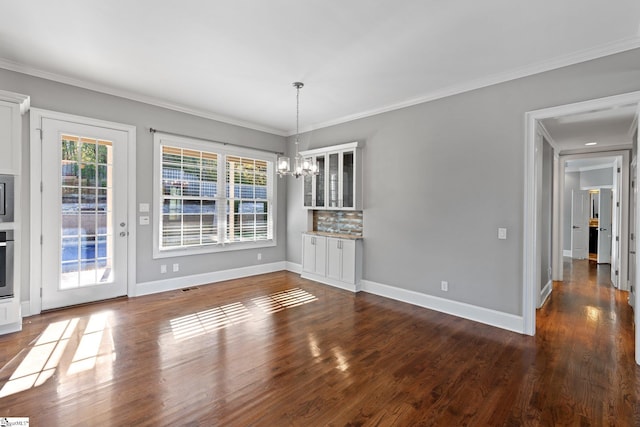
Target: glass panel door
[[87, 211], [334, 187], [84, 200], [320, 193], [347, 179]]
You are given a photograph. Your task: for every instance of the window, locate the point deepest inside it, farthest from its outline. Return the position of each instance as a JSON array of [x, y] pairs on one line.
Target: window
[[209, 197]]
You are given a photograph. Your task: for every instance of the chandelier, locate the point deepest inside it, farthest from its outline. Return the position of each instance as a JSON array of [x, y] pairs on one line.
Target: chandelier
[[301, 166]]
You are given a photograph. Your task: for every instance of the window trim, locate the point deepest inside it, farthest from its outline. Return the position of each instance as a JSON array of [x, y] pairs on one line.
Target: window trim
[[223, 150]]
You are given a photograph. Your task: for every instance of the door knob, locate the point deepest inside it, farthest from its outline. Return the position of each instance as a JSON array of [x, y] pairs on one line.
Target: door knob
[[575, 226], [123, 233], [122, 224]]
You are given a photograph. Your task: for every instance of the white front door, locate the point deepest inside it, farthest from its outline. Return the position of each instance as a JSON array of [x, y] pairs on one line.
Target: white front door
[[604, 226], [580, 224], [84, 213]]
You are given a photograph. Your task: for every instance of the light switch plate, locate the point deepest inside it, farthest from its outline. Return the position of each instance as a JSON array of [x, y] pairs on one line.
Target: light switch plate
[[502, 233], [144, 220], [144, 207]]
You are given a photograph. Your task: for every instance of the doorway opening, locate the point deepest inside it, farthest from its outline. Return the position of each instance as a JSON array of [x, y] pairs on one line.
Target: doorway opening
[[540, 128]]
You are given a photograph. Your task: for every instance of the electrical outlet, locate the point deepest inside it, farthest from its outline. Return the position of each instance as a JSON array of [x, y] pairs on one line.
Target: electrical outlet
[[502, 233], [163, 268], [259, 256], [444, 286], [176, 267]]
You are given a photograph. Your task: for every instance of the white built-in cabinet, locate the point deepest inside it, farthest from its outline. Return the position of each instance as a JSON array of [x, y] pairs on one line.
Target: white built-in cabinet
[[332, 260], [12, 108], [314, 254], [10, 132], [341, 259], [338, 184]]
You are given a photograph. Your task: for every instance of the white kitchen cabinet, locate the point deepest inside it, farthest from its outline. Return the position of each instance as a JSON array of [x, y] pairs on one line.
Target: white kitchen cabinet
[[341, 259], [338, 185], [332, 260], [12, 106], [314, 254]]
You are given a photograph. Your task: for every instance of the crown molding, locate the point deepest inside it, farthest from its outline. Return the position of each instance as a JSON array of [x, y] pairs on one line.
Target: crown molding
[[133, 96], [540, 67], [24, 101], [585, 55]]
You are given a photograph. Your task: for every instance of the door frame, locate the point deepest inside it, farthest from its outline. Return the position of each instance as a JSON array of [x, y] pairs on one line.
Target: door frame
[[35, 217], [530, 260]]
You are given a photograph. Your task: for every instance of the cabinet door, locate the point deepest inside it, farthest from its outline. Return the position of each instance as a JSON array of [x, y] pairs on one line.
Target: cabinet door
[[308, 254], [334, 258], [320, 244], [10, 126], [307, 192], [348, 261], [348, 180], [334, 180], [319, 182]]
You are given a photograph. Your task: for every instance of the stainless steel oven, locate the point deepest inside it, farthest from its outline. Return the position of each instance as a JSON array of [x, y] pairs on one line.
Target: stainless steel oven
[[6, 264], [6, 198]]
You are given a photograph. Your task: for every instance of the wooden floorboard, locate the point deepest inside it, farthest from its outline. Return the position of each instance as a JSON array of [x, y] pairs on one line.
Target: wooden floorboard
[[278, 350]]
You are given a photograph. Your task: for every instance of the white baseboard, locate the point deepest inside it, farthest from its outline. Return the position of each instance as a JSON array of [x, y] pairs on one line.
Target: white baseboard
[[507, 321], [331, 282], [294, 268], [546, 291], [156, 286], [10, 328], [567, 253]]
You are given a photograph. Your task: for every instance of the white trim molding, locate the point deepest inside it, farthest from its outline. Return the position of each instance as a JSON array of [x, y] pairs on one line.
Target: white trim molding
[[156, 286], [530, 288], [596, 52], [331, 282], [498, 319], [544, 294], [294, 267], [567, 253], [126, 94]]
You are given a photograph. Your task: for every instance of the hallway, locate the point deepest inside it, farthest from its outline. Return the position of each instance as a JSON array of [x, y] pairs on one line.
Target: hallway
[[586, 332]]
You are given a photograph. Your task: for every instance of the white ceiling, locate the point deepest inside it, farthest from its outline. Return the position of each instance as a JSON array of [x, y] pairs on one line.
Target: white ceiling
[[608, 128], [236, 60], [589, 164]]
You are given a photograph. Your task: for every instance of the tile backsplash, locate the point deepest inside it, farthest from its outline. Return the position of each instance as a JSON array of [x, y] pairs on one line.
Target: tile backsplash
[[341, 222]]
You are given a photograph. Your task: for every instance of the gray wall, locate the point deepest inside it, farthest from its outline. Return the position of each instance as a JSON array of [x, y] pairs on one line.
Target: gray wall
[[441, 177], [546, 217], [571, 183], [596, 177], [68, 99]]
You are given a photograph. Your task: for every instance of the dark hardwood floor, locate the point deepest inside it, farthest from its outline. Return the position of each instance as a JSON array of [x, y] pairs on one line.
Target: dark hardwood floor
[[277, 350]]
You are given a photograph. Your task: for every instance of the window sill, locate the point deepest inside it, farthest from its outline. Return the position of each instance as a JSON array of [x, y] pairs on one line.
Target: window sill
[[225, 247]]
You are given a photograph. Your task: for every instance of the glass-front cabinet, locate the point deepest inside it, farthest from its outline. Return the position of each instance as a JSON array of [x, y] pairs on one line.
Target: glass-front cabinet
[[314, 192], [338, 183]]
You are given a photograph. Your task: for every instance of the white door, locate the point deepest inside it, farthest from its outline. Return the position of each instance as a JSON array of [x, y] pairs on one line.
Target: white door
[[580, 224], [84, 213], [604, 226]]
